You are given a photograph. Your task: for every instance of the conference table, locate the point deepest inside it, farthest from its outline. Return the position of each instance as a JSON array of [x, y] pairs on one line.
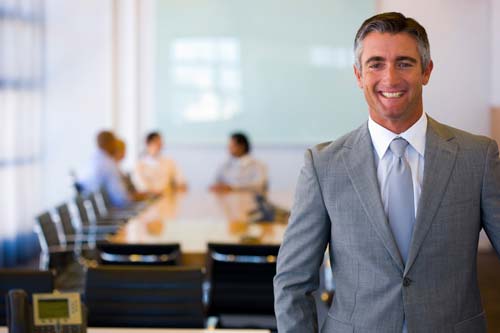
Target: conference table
[[195, 218]]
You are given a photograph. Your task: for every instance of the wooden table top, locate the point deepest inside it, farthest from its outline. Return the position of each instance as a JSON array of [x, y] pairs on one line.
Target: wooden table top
[[194, 219]]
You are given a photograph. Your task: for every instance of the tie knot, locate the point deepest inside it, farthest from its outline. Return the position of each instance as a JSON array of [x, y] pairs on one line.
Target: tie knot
[[398, 146]]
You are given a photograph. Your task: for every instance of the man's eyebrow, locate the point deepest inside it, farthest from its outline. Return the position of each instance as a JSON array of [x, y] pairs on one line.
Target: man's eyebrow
[[406, 58], [374, 58]]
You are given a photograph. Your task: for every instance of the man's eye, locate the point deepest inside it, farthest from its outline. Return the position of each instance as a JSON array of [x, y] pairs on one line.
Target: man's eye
[[376, 65], [405, 64]]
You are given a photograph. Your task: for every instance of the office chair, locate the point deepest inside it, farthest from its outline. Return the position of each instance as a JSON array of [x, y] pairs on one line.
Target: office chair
[[139, 254], [89, 220], [133, 296], [241, 284], [55, 252], [66, 220], [29, 280]]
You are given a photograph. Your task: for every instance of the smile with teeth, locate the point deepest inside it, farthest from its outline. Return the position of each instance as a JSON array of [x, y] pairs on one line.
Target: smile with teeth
[[394, 94]]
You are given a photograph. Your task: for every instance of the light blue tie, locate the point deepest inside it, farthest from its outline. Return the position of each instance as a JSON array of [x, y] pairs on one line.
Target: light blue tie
[[401, 210]]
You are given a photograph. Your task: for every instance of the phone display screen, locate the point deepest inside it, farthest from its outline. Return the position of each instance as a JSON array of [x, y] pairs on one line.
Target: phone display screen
[[53, 308]]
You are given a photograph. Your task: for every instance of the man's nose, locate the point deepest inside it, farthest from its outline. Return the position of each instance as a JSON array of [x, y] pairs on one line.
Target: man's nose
[[391, 76]]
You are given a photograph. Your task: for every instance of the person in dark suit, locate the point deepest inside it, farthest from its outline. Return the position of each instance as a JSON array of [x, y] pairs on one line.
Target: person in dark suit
[[399, 202]]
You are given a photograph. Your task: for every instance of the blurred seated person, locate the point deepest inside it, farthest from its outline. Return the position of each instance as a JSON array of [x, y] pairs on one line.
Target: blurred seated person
[[155, 172], [103, 173], [241, 172]]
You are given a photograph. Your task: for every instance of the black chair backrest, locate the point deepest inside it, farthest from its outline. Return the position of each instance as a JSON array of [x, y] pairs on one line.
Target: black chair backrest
[[85, 210], [139, 254], [132, 296], [48, 229], [98, 210], [66, 219], [29, 280], [241, 278]]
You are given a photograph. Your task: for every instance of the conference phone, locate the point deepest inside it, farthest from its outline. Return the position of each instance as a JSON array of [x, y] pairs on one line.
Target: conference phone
[[50, 313]]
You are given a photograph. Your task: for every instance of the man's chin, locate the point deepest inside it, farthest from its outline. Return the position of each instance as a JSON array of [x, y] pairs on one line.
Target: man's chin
[[392, 114]]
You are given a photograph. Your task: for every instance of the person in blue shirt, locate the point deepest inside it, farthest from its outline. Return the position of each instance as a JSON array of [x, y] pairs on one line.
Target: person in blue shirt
[[103, 173]]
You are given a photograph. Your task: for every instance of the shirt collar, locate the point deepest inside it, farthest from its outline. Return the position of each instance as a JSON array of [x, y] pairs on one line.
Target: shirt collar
[[382, 137], [243, 160]]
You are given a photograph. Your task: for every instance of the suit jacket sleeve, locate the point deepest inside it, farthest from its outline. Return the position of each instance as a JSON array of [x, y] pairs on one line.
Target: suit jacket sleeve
[[301, 255], [490, 196]]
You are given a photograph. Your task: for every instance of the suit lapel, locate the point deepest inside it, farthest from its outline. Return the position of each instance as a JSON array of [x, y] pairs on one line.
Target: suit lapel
[[360, 165], [440, 156]]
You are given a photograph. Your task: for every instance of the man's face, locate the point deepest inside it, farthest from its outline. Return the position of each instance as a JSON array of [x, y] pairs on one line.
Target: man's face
[[391, 77], [154, 147], [235, 149]]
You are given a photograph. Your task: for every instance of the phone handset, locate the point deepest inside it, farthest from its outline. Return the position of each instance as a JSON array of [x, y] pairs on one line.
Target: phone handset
[[19, 315]]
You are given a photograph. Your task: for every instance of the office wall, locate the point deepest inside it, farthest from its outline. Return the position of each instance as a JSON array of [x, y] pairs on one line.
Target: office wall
[[495, 52], [98, 78], [495, 69], [78, 88]]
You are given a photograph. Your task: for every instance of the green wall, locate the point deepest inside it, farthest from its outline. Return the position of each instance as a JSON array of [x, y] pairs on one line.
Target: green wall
[[279, 70]]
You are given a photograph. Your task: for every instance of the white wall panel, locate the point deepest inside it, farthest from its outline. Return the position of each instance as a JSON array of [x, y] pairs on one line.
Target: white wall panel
[[78, 88]]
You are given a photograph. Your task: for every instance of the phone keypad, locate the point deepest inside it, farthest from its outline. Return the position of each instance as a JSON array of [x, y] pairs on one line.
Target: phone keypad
[[64, 329]]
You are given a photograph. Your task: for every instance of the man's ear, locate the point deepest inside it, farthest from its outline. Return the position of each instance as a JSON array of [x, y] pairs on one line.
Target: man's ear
[[357, 73], [427, 73]]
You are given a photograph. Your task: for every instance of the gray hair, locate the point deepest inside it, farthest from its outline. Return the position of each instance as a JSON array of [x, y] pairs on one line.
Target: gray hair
[[393, 23]]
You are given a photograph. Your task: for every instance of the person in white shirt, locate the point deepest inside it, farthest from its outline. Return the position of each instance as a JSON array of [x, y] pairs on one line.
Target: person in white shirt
[[241, 172], [154, 172]]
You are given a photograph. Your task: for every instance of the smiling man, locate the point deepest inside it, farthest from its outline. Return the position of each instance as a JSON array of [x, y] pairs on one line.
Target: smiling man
[[399, 202]]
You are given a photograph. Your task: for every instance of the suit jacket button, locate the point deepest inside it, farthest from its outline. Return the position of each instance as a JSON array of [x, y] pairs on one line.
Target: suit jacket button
[[407, 282]]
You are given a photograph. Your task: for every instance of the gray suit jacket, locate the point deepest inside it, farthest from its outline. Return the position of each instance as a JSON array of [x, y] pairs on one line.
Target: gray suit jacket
[[338, 204]]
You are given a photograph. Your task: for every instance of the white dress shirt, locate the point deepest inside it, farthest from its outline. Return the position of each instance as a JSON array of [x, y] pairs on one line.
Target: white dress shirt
[[415, 152], [243, 173], [156, 174]]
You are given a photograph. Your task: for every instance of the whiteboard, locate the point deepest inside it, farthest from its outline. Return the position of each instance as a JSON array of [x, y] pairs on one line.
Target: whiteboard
[[279, 70]]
